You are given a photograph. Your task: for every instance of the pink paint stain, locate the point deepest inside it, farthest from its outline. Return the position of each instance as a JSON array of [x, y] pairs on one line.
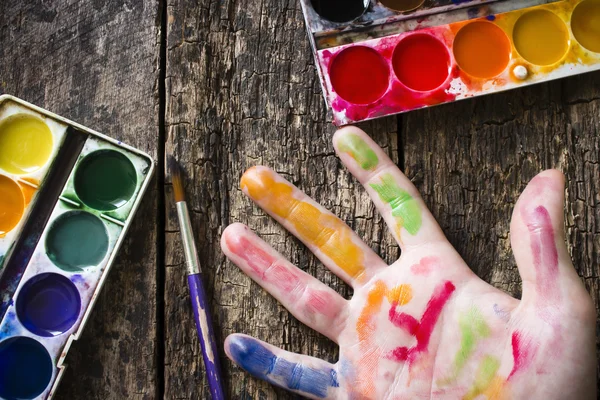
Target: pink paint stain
[[545, 254], [425, 266], [545, 260], [285, 278], [421, 330], [523, 350], [264, 264], [320, 302]]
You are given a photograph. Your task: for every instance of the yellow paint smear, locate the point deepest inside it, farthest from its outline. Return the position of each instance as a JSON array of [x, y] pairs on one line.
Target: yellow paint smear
[[12, 205], [321, 229], [541, 37], [25, 144]]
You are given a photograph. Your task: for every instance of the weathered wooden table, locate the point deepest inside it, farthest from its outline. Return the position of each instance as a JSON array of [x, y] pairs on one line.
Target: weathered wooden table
[[228, 84]]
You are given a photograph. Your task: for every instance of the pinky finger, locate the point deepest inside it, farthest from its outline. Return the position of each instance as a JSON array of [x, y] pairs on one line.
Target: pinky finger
[[307, 376]]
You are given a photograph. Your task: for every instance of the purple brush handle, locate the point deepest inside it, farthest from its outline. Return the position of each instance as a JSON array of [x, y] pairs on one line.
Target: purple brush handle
[[206, 335]]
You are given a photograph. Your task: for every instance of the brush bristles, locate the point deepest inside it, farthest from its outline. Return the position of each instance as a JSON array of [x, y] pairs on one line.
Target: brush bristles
[[177, 177]]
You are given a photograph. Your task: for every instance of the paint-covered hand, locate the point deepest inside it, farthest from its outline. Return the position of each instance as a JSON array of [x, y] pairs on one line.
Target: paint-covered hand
[[425, 327]]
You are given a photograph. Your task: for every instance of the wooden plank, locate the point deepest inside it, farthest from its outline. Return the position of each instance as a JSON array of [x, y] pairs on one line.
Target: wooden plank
[[242, 90], [471, 160], [96, 62]]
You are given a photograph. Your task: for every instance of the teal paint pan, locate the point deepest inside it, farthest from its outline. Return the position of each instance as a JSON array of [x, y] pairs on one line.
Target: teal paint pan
[[67, 197]]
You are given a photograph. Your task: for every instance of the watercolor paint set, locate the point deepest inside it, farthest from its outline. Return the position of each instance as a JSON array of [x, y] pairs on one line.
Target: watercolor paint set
[[383, 57], [67, 197]]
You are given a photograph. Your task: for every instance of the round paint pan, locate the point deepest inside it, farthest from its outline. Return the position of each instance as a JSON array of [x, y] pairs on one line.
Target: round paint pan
[[12, 204], [340, 10], [421, 62], [25, 368], [76, 240], [482, 49], [359, 75], [25, 144], [105, 180], [402, 5], [585, 24], [541, 37], [48, 304]]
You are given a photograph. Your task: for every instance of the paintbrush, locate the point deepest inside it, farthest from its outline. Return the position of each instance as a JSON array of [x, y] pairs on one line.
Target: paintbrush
[[197, 292]]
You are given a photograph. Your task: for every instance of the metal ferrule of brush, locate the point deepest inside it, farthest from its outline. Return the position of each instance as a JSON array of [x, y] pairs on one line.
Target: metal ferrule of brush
[[189, 242]]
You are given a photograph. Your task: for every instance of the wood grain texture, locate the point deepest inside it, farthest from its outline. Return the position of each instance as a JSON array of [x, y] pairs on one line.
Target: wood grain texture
[[95, 62], [242, 91]]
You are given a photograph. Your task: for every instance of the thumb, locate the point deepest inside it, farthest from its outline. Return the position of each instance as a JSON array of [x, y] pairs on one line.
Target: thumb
[[538, 241]]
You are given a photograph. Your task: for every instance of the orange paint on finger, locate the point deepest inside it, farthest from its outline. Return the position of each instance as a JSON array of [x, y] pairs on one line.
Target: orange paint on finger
[[321, 229]]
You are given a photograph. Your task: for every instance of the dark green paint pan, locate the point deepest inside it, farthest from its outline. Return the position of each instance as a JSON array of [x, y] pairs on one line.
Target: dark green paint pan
[[105, 180]]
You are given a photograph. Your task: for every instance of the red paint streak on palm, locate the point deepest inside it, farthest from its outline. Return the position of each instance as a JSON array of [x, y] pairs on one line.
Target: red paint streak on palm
[[545, 254], [403, 320], [523, 352], [425, 327]]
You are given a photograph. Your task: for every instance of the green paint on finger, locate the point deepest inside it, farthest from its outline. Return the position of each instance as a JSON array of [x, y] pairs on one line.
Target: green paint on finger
[[473, 328], [360, 151], [405, 208]]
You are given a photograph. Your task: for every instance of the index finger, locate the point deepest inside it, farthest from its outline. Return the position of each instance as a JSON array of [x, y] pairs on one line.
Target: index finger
[[328, 237]]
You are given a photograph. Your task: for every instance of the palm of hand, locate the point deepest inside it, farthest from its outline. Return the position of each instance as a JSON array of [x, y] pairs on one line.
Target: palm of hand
[[425, 327]]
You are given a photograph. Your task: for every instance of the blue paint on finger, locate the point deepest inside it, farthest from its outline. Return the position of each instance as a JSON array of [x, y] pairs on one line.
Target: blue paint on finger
[[258, 360]]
